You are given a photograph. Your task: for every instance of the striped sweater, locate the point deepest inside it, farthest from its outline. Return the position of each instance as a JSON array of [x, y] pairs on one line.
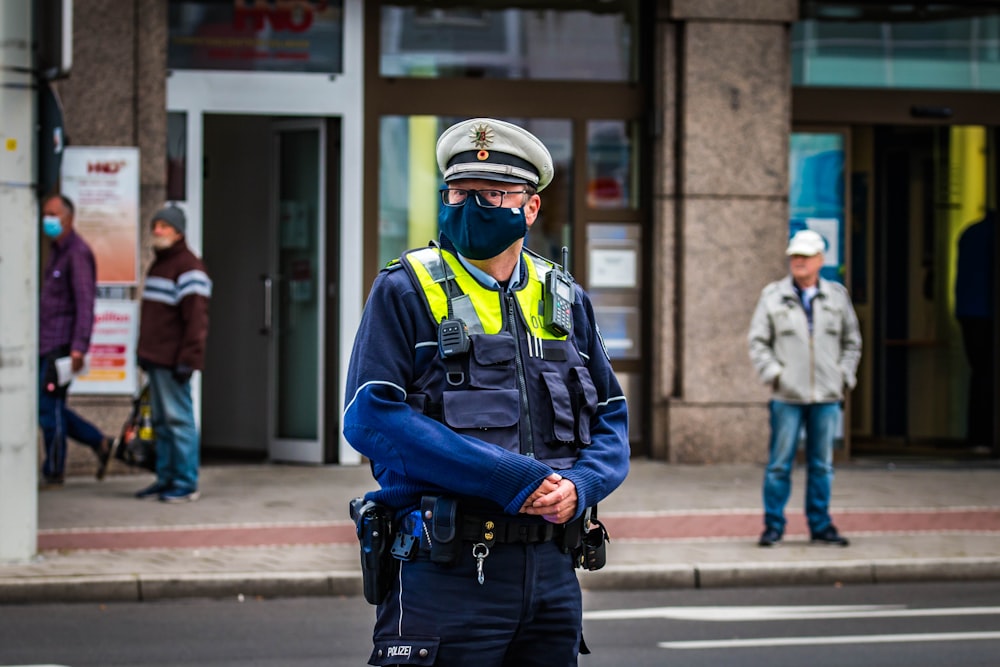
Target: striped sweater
[[173, 324]]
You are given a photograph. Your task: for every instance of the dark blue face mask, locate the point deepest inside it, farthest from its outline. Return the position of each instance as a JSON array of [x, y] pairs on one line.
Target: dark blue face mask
[[482, 233]]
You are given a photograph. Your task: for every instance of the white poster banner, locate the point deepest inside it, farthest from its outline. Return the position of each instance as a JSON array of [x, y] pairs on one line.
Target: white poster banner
[[111, 365], [829, 229], [103, 184]]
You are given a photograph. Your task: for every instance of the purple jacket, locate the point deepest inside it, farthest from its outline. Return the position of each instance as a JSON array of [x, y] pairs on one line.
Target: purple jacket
[[66, 304]]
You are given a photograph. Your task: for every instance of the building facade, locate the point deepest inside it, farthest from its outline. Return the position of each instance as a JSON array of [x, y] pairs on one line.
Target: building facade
[[690, 137]]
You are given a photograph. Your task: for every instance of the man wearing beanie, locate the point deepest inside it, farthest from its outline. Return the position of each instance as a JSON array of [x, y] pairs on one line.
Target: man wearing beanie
[[481, 391], [172, 332]]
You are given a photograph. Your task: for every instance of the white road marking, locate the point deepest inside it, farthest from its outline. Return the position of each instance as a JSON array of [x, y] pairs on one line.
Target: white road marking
[[845, 639], [764, 613]]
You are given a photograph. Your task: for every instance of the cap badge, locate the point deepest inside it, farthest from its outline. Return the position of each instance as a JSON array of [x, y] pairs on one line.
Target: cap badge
[[482, 136], [483, 155]]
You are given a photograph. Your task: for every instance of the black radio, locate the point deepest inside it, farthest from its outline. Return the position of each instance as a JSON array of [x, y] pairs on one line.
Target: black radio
[[558, 299], [453, 338]]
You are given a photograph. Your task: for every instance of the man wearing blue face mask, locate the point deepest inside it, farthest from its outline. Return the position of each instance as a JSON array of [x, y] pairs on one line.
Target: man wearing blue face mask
[[65, 323], [480, 389]]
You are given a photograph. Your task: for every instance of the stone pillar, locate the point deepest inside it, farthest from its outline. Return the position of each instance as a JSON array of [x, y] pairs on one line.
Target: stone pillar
[[722, 209], [19, 295]]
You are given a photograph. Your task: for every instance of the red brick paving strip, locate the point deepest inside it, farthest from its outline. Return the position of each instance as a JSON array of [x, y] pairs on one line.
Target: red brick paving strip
[[746, 524], [653, 527], [195, 538]]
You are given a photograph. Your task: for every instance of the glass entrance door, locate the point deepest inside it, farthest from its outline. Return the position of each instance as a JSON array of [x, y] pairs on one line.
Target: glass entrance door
[[294, 303]]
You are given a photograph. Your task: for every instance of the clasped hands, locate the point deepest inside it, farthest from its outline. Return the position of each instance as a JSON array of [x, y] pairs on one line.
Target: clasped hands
[[554, 500]]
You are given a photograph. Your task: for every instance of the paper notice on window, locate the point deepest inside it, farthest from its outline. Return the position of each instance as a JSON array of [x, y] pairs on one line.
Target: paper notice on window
[[610, 267]]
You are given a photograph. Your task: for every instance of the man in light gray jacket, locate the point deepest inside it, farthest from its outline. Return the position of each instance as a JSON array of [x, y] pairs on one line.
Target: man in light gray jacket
[[805, 343]]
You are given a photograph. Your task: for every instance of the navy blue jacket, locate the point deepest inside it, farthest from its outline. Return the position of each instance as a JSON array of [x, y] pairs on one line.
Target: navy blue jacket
[[413, 454]]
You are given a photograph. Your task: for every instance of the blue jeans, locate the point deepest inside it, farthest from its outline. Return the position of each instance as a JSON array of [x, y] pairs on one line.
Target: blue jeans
[[58, 422], [787, 419], [177, 446]]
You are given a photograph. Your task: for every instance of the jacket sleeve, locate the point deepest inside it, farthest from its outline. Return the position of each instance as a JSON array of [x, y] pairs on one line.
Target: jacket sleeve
[[382, 426], [84, 285], [194, 289], [850, 343], [761, 341], [603, 464]]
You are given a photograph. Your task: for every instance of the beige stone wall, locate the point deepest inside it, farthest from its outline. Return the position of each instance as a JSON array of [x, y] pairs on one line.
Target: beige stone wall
[[116, 96], [721, 219]]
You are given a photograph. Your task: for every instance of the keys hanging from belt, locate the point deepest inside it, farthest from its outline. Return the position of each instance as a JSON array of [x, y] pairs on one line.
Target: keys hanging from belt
[[480, 551]]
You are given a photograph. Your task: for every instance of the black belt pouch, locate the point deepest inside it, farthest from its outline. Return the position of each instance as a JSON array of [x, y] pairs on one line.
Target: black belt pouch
[[440, 515]]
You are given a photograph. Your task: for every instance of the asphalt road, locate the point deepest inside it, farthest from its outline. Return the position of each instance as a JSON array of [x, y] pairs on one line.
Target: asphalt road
[[914, 625]]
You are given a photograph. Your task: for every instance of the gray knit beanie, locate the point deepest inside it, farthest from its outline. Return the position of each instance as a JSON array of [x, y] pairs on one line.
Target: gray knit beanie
[[173, 216]]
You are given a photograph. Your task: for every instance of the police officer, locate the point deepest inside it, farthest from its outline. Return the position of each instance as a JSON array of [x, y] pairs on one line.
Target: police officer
[[481, 391]]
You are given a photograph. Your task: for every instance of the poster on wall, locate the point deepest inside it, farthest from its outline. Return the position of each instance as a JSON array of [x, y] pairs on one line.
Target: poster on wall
[[816, 194], [103, 184], [111, 366]]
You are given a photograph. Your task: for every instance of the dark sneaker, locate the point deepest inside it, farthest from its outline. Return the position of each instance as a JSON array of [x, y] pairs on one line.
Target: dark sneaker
[[108, 447], [51, 482], [829, 536], [153, 489], [179, 496], [769, 538]]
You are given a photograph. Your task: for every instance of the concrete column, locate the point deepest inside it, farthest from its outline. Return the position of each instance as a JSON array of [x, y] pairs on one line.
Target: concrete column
[[18, 297], [723, 219]]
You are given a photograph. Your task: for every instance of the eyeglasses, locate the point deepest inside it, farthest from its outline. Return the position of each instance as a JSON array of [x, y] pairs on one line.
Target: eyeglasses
[[485, 198]]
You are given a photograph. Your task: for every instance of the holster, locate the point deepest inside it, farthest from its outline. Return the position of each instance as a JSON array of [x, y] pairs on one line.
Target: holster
[[375, 533], [586, 539], [441, 516]]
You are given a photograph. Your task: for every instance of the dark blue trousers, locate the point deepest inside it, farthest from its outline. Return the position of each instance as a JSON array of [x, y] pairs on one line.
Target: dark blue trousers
[[528, 611], [58, 423]]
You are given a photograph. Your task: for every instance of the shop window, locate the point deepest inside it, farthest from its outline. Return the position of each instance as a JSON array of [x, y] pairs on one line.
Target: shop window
[[940, 46], [557, 40], [177, 156], [611, 164], [816, 194], [273, 36]]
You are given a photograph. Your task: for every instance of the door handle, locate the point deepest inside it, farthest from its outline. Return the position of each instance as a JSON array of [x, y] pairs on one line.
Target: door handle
[[265, 329]]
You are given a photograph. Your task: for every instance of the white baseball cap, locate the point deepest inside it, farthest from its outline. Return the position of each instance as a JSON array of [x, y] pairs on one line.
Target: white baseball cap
[[807, 243]]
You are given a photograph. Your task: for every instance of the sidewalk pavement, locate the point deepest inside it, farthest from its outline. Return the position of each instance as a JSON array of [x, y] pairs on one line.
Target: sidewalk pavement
[[282, 530]]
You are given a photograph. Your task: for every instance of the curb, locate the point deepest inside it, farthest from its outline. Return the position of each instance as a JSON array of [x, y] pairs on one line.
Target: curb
[[149, 587], [803, 573]]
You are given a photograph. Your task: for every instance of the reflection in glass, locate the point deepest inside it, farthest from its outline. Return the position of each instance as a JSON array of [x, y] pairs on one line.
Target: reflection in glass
[[610, 168], [409, 184], [556, 41], [816, 194], [176, 156], [945, 47], [298, 307]]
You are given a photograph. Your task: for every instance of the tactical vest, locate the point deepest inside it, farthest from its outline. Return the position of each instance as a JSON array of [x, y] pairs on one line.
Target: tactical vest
[[519, 386]]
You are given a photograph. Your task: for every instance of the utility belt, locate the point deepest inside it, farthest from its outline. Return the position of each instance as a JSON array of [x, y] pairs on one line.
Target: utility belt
[[439, 531]]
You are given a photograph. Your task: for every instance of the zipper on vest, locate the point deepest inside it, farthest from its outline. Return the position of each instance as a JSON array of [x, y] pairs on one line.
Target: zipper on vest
[[524, 423]]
